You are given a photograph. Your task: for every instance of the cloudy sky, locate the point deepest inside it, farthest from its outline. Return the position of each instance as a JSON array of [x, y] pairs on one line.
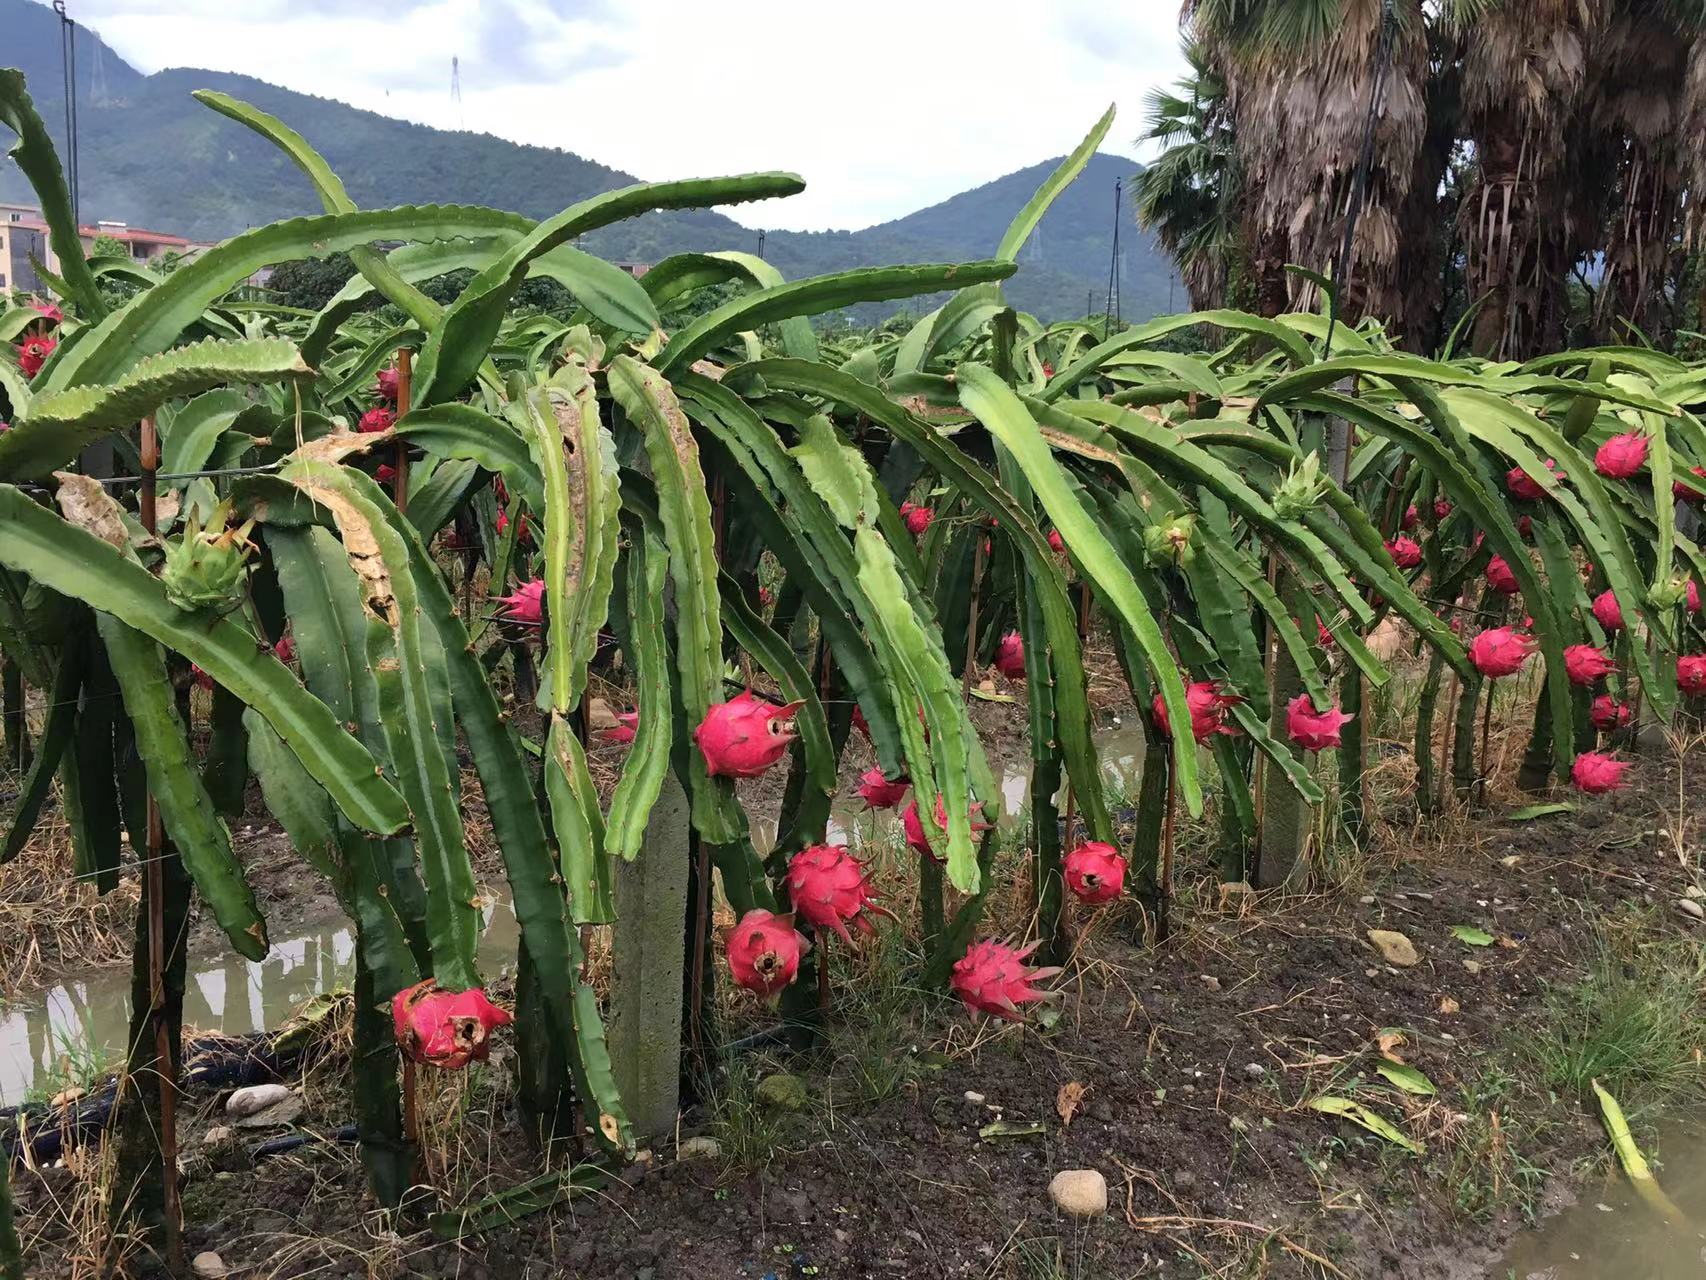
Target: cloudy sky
[[884, 106]]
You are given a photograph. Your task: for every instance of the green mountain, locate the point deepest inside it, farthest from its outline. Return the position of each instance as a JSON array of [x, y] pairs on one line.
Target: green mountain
[[153, 157]]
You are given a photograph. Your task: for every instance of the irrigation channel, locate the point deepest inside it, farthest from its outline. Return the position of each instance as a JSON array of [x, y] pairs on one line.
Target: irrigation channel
[[86, 1016]]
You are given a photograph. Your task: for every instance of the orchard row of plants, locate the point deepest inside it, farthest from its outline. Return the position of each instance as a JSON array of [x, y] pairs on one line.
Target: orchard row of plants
[[386, 542]]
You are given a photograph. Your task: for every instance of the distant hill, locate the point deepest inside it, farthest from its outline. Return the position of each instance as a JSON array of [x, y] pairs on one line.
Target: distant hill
[[154, 157]]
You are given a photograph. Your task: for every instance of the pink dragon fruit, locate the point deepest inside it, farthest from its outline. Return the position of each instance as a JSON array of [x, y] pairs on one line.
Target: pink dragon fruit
[[1442, 509], [1586, 664], [878, 792], [1405, 551], [386, 387], [379, 418], [764, 951], [522, 533], [917, 518], [993, 978], [1207, 706], [1501, 577], [1500, 651], [1323, 636], [443, 1028], [912, 823], [33, 354], [1692, 599], [1094, 872], [1055, 543], [1411, 518], [1622, 456], [860, 723], [525, 604], [744, 736], [1609, 715], [285, 649], [47, 310], [1311, 729], [623, 731], [1608, 612], [1595, 772], [1686, 493], [1523, 485], [1691, 674], [829, 887], [1010, 656]]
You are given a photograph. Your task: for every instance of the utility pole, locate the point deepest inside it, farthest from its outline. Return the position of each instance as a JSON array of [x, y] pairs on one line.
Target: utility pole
[[68, 68], [761, 242]]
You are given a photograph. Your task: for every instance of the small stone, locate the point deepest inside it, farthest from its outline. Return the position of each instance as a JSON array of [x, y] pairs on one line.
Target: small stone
[[1448, 1006], [1472, 966], [208, 1266], [974, 1097], [256, 1097], [782, 1092], [702, 1147], [1509, 863], [218, 1134], [1394, 947], [1210, 981], [1367, 900], [1691, 907], [1083, 1193], [1419, 895], [1694, 891], [1255, 1070], [285, 1111]]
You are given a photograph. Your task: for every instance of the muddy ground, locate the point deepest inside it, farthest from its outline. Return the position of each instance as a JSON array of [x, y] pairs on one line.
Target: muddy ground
[[1194, 1062]]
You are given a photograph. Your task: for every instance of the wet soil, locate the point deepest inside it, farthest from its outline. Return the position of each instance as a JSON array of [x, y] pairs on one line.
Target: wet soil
[[1195, 1059]]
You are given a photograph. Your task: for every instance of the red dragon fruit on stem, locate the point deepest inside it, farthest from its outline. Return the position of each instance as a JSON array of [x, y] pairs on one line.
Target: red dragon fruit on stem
[[1500, 651], [993, 978], [1607, 611], [445, 1028], [764, 951], [878, 792], [1406, 552], [1692, 599], [829, 887], [1622, 456], [912, 823], [1501, 577], [526, 603], [1523, 485], [860, 723], [1311, 729], [386, 475], [1207, 706], [1094, 872], [1442, 508], [1691, 674], [379, 418], [1411, 518], [285, 649], [1322, 635], [744, 736], [386, 387], [33, 354], [1608, 714], [1056, 543], [917, 518], [1587, 664], [521, 530], [1010, 656], [1684, 493], [47, 310], [623, 731], [1595, 772]]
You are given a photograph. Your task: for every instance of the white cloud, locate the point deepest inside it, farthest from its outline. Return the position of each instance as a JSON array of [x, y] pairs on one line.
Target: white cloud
[[884, 107]]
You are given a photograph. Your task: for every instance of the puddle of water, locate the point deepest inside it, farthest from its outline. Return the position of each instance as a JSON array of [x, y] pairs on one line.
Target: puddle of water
[[228, 994], [225, 993], [1615, 1235]]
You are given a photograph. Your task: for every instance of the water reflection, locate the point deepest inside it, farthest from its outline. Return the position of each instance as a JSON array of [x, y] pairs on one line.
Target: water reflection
[[1612, 1234]]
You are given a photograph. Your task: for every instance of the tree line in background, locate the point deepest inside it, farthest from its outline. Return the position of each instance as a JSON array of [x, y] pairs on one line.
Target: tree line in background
[[1530, 164]]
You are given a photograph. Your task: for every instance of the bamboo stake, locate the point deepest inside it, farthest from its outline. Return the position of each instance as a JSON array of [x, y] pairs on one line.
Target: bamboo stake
[[400, 466]]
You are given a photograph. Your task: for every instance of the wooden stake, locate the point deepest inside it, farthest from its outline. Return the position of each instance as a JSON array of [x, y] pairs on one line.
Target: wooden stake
[[400, 464], [154, 880]]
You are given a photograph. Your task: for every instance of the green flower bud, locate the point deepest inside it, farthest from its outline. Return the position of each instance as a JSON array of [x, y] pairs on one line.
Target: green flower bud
[[204, 568], [1170, 541], [1302, 490]]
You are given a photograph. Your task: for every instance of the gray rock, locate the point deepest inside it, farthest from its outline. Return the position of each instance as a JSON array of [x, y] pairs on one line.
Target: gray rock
[[1255, 1070], [1082, 1193], [1394, 947], [208, 1266], [700, 1148], [285, 1111], [1691, 908], [256, 1097]]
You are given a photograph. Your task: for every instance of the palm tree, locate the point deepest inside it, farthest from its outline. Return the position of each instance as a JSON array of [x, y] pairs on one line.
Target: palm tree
[[1302, 77], [1189, 196]]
